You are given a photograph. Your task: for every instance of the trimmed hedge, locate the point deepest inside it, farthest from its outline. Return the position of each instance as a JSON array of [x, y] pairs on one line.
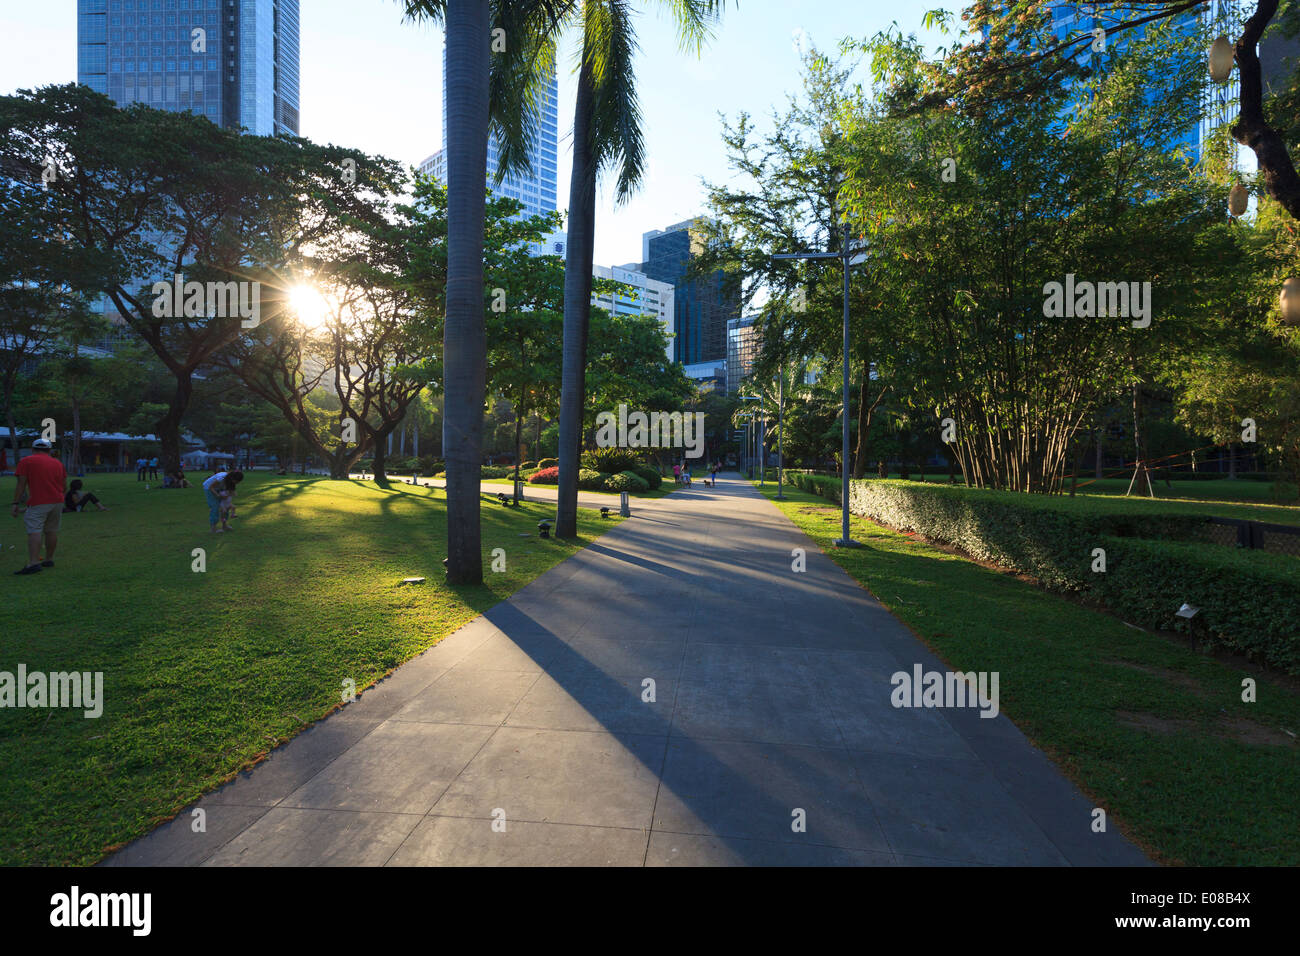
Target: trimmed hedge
[[589, 480], [649, 475], [545, 476], [1249, 601], [1157, 557], [822, 485], [545, 463], [626, 481], [497, 471]]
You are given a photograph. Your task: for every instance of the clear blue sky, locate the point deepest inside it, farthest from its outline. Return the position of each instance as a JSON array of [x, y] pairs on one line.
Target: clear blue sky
[[375, 83]]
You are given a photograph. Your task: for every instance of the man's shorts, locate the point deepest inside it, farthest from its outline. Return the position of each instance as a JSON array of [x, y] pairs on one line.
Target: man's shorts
[[42, 518]]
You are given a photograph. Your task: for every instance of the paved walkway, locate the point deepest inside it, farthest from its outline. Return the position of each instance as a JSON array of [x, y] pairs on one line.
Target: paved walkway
[[524, 738]]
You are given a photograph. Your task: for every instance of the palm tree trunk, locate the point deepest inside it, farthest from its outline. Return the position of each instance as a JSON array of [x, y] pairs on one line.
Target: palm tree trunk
[[577, 303], [464, 338]]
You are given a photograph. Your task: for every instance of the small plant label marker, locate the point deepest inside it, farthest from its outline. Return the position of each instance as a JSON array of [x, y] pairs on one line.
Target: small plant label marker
[[411, 581], [498, 820], [800, 560], [799, 820], [349, 690], [648, 690], [1098, 820], [200, 822]]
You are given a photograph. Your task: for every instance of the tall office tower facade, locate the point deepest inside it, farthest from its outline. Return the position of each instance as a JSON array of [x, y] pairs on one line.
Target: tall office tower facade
[[1219, 101], [233, 61], [702, 306], [647, 297], [536, 189]]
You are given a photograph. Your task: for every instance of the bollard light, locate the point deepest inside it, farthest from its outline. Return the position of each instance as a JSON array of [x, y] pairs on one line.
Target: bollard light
[[503, 499], [1187, 611], [1220, 59], [544, 528], [604, 512]]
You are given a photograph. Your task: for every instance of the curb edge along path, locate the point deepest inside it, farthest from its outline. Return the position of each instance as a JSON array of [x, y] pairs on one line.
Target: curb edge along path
[[527, 737]]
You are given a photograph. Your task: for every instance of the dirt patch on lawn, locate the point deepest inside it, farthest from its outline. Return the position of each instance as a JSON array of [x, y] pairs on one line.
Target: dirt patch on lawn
[[1185, 681], [1238, 730]]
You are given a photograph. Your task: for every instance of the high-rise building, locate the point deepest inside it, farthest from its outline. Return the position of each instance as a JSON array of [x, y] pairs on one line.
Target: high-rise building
[[536, 189], [742, 351], [1219, 101], [233, 61], [702, 306], [648, 297]]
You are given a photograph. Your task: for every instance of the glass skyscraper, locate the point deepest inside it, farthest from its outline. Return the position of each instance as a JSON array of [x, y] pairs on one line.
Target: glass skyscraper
[[702, 306], [233, 61], [535, 190]]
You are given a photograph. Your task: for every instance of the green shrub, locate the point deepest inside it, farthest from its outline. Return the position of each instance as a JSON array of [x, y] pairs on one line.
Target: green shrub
[[545, 476], [1248, 601], [497, 471], [548, 463], [822, 485], [527, 465], [649, 475], [611, 460], [429, 465], [589, 480], [626, 481], [1157, 557]]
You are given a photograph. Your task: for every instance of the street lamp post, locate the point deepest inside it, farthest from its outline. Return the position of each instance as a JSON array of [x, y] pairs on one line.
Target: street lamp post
[[750, 436], [780, 415], [846, 256]]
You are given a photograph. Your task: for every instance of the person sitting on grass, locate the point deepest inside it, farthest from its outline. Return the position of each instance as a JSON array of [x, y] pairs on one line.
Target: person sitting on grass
[[74, 500], [212, 488]]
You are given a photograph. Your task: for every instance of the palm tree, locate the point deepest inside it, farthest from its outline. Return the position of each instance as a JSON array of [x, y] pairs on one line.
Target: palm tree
[[606, 132], [485, 91]]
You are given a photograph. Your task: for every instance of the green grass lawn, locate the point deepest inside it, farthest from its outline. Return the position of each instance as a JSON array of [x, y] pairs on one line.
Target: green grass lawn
[[205, 672], [1153, 731]]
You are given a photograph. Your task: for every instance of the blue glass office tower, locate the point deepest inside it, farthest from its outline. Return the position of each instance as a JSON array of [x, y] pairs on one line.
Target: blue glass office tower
[[1219, 101], [536, 190], [702, 306], [233, 61]]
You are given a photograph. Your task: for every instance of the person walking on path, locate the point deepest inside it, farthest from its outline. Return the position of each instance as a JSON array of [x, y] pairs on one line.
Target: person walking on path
[[42, 479], [74, 500], [212, 489], [677, 473]]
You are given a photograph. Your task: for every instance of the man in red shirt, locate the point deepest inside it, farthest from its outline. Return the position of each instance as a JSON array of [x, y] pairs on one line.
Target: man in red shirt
[[42, 478]]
